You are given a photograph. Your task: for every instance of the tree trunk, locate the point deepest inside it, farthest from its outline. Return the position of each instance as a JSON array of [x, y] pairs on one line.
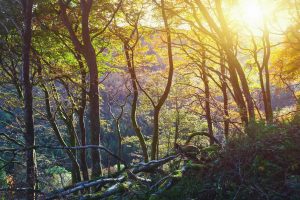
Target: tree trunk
[[28, 100], [90, 57], [225, 99], [235, 68], [238, 94], [119, 143], [73, 137], [154, 144], [88, 51], [235, 65], [75, 165], [136, 127], [267, 53], [177, 122], [94, 114], [207, 98], [164, 97], [263, 92], [84, 166], [51, 120]]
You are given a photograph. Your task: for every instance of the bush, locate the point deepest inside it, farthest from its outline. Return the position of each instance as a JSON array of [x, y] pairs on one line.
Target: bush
[[59, 176]]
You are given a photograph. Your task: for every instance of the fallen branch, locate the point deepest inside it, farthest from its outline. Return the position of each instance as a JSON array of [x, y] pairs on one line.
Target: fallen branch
[[83, 185], [144, 181], [141, 167], [202, 133], [114, 189], [148, 167]]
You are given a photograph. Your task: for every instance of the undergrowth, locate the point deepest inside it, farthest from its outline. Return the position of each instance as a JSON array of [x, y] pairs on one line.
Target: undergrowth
[[263, 165]]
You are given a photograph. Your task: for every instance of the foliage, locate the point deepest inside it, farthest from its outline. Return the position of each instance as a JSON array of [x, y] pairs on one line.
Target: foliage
[[227, 55], [59, 177], [267, 167]]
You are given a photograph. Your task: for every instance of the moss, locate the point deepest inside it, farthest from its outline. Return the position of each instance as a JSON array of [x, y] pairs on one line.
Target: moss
[[177, 174], [195, 166], [124, 186], [262, 167], [186, 188]]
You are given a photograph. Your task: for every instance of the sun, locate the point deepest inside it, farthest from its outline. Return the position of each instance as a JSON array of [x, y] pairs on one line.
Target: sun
[[251, 14]]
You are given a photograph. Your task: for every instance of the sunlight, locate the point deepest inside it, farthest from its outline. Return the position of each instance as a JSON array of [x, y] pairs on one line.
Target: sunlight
[[252, 14]]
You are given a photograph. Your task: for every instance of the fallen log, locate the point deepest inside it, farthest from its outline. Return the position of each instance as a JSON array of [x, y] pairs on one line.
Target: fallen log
[[131, 171], [113, 190], [144, 181], [83, 185], [148, 167]]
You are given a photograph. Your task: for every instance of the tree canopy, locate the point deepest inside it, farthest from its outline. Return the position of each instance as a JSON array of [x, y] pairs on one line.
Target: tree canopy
[[135, 99]]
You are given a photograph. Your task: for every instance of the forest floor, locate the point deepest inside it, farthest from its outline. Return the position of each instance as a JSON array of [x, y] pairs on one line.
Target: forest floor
[[267, 167], [261, 167]]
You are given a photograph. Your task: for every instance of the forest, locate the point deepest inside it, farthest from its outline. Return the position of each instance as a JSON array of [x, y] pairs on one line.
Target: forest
[[150, 99]]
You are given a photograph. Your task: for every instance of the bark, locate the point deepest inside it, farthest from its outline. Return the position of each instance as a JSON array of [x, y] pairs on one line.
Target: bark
[[235, 69], [245, 86], [75, 165], [263, 92], [267, 53], [264, 67], [234, 64], [152, 165], [90, 57], [177, 122], [154, 144], [135, 125], [94, 114], [207, 97], [83, 185], [68, 121], [28, 100], [162, 99], [88, 52], [225, 98], [117, 178], [117, 119], [119, 143], [238, 94], [84, 167]]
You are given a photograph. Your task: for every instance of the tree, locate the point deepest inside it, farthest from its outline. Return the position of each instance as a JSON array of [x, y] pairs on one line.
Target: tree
[[28, 100], [129, 39], [88, 51], [207, 95], [117, 118]]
